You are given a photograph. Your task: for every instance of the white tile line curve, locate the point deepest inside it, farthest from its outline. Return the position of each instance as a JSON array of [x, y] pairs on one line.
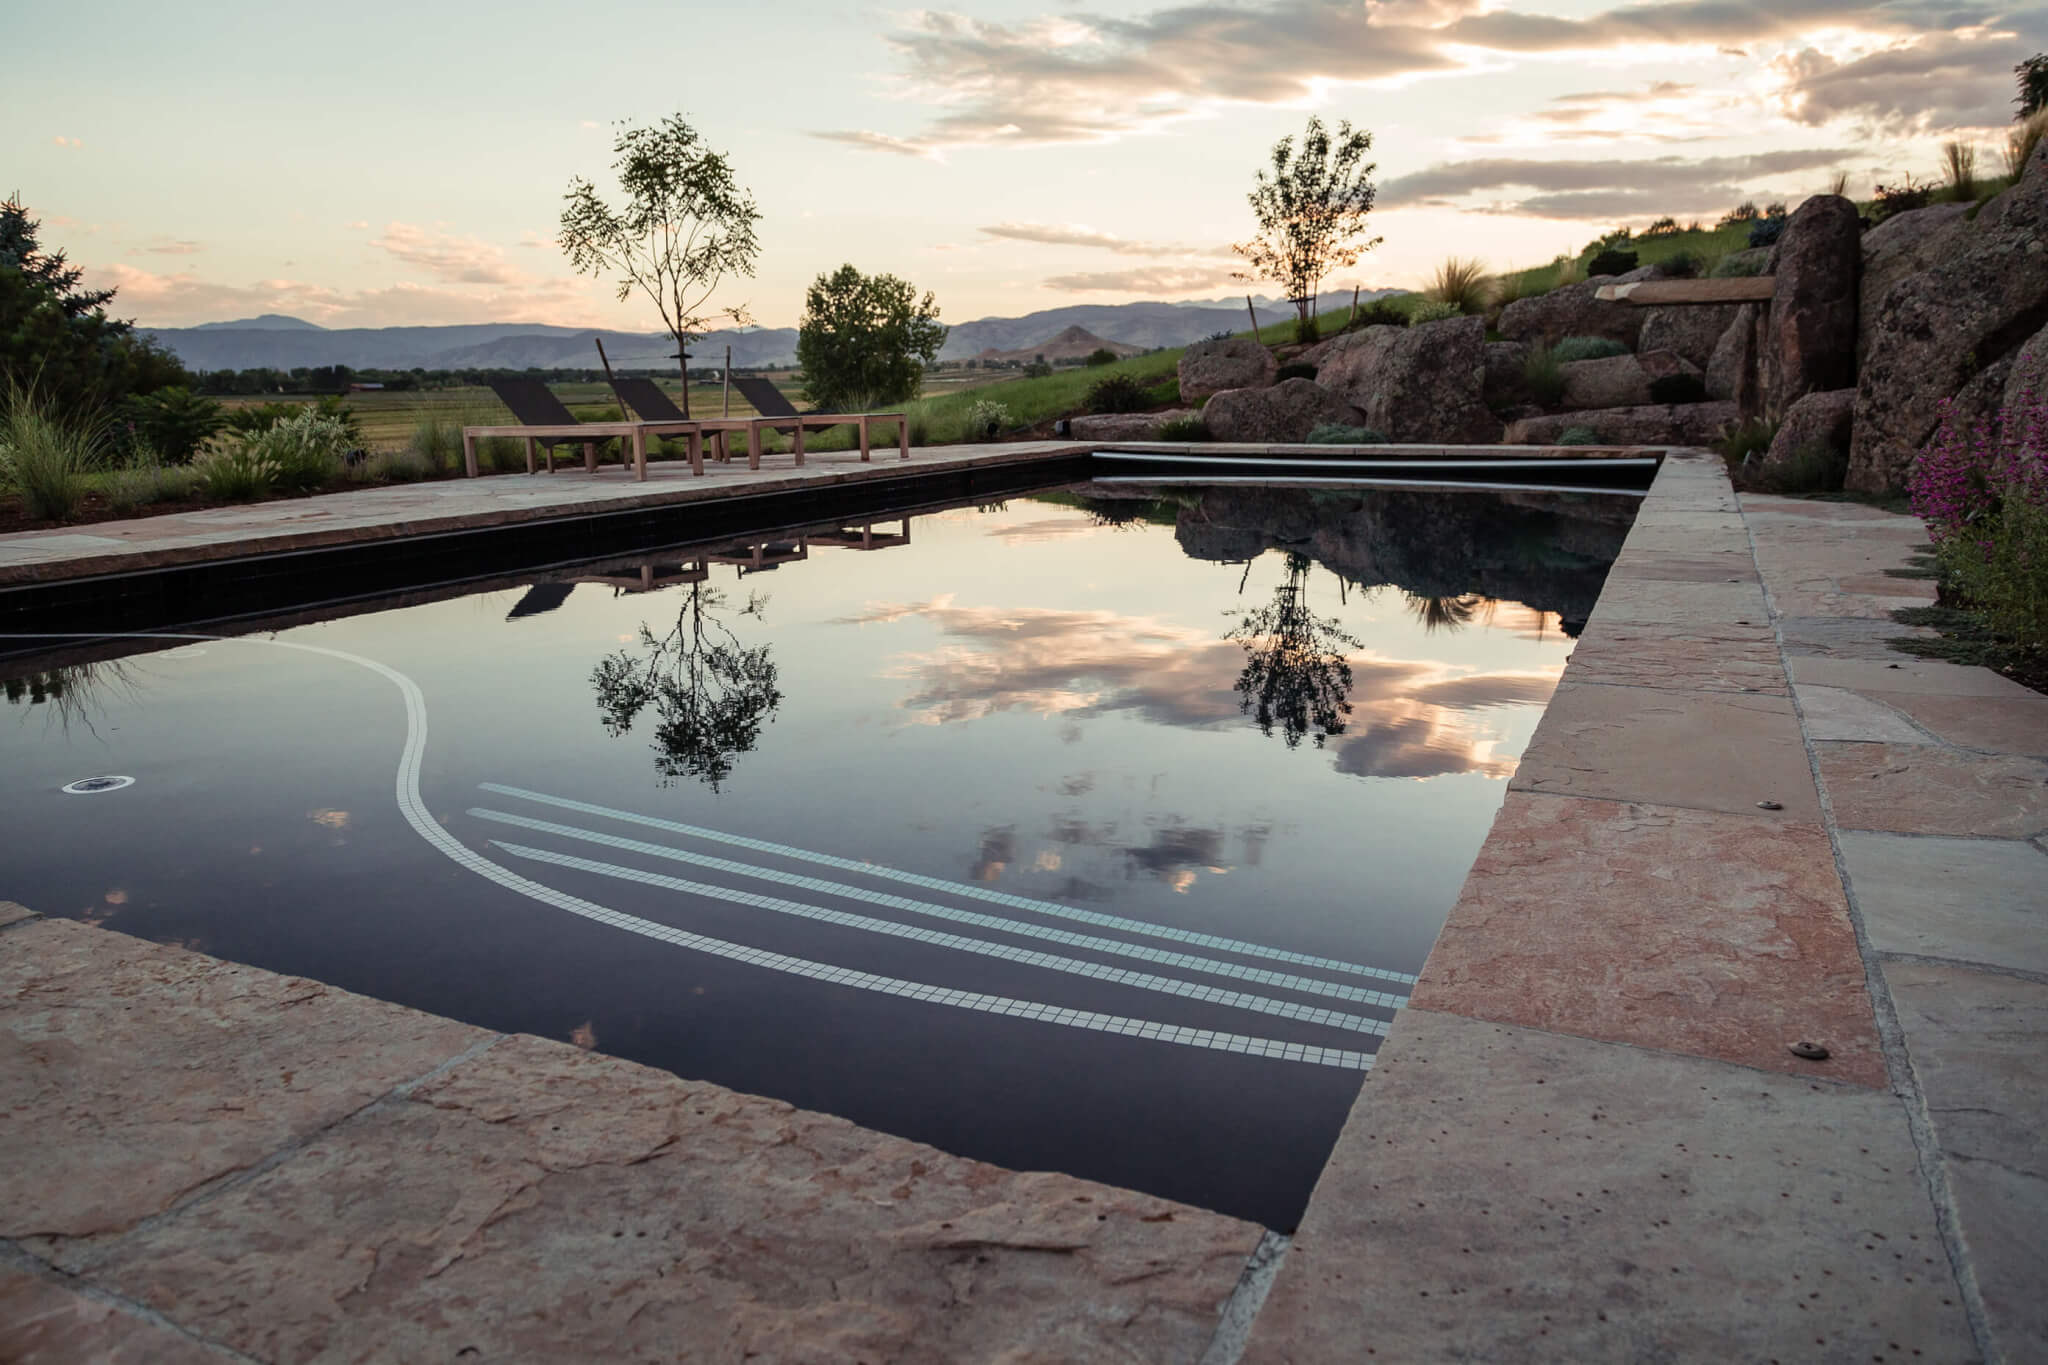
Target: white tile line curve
[[938, 938], [1185, 961], [1050, 909], [413, 807]]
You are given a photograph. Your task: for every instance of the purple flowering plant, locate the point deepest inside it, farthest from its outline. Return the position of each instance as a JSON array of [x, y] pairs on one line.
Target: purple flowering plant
[[1982, 489]]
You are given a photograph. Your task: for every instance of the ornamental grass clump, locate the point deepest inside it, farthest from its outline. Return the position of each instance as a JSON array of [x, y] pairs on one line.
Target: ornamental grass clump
[[305, 451], [1982, 489], [45, 459]]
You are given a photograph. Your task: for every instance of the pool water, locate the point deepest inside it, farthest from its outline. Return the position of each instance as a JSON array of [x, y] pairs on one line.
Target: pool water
[[1099, 831]]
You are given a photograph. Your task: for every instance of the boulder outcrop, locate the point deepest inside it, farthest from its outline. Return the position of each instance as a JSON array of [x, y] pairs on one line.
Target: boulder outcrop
[[1504, 382], [1812, 343], [1817, 424], [1938, 332], [1420, 384], [1660, 424], [1124, 426], [1620, 381], [1692, 332], [1731, 370], [1210, 367], [1575, 311], [1903, 244], [1286, 412]]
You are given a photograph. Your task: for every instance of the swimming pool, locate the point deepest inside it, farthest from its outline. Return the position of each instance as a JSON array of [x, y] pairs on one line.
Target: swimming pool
[[1100, 830]]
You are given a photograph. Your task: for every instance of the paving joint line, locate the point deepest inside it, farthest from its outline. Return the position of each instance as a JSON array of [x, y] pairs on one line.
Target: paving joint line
[[1241, 1309], [20, 1258], [1892, 1040], [1966, 964], [208, 1191]]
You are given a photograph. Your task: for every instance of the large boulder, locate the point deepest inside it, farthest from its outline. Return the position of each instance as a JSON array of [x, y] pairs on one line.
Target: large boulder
[[1661, 424], [1812, 341], [1620, 381], [2026, 387], [1816, 428], [1937, 331], [1692, 331], [1575, 311], [1210, 367], [1732, 369], [1286, 412], [1903, 244], [1416, 384], [1124, 426]]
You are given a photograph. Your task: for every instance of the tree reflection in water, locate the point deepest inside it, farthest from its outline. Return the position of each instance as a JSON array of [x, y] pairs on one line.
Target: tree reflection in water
[[1295, 676], [711, 695], [1449, 614]]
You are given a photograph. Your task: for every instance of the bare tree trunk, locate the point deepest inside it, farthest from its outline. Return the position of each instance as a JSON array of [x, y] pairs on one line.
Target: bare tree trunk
[[683, 364]]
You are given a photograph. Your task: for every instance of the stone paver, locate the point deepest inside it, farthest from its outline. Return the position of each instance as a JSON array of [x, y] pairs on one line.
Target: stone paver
[[1718, 935], [2002, 724], [1711, 658], [1506, 1194], [1657, 600], [1847, 637], [1927, 789], [541, 1203], [127, 1126], [44, 1323], [10, 913], [1971, 900], [1703, 750], [1840, 713], [1901, 673], [1979, 1044], [381, 1184]]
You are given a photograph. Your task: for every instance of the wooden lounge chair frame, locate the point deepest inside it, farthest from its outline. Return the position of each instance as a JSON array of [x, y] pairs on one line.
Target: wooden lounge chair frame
[[534, 396], [777, 413]]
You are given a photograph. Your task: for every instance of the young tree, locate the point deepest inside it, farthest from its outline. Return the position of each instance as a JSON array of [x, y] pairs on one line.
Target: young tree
[[865, 340], [1296, 675], [1311, 211], [685, 226]]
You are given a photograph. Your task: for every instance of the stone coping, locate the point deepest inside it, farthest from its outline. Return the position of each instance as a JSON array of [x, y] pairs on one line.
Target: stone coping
[[396, 511]]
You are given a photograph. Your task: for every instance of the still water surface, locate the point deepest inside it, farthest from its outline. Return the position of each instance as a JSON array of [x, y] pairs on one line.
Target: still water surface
[[1099, 836]]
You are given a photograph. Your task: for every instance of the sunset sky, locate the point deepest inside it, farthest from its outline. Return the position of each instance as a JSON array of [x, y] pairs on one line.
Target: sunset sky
[[399, 164]]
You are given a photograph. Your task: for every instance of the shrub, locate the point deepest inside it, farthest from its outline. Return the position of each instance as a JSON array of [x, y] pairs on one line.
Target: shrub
[[256, 418], [1307, 330], [986, 420], [1766, 231], [1751, 437], [1037, 369], [1737, 263], [1433, 310], [1336, 434], [396, 466], [1116, 393], [1101, 355], [1461, 283], [1685, 265], [1903, 197], [1188, 428], [147, 480], [1570, 270], [1543, 376], [303, 452], [172, 423], [1683, 387], [1579, 436], [1812, 468], [1165, 393], [44, 459], [1611, 261], [234, 474], [1379, 313], [1512, 288], [1663, 227], [1744, 212], [1587, 348], [437, 439], [1983, 492], [1295, 371]]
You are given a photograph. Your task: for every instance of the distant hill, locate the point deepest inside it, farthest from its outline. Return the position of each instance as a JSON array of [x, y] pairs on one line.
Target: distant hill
[[284, 343], [1074, 343]]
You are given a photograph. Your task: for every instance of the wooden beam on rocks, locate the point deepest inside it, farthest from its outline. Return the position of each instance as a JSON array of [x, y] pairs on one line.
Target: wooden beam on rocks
[[1670, 293]]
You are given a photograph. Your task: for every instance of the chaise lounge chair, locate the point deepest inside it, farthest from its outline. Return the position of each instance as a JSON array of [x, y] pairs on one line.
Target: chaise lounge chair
[[542, 420], [769, 402]]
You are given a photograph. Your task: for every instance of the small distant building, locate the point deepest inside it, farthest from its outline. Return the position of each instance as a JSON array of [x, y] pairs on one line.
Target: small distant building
[[363, 388]]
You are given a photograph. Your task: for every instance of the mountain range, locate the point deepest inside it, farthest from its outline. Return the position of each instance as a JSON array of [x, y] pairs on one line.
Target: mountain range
[[279, 342]]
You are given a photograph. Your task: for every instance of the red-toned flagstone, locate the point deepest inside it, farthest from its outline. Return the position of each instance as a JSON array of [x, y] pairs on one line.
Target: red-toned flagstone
[[1719, 935], [1929, 789]]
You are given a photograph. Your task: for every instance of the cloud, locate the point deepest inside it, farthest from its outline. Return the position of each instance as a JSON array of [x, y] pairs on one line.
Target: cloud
[[359, 225], [1050, 234], [62, 141], [882, 142], [1933, 84], [447, 257], [1605, 188], [1084, 77], [1150, 279], [166, 246], [182, 299]]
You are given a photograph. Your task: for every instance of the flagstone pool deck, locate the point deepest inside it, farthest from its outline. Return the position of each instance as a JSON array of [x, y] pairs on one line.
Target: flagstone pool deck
[[1586, 1138]]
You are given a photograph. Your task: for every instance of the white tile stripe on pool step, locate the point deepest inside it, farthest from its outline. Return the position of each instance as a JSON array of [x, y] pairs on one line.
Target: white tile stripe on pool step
[[1051, 909], [1029, 957], [414, 809], [1185, 961]]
